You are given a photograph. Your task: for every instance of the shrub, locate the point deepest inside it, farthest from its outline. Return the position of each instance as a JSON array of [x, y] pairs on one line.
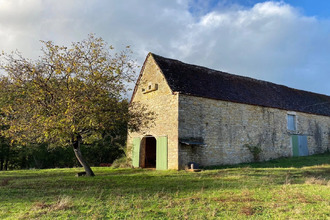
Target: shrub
[[122, 162], [255, 150]]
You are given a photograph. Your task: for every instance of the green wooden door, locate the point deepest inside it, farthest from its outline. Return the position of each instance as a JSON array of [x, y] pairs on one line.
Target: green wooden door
[[302, 145], [295, 145], [161, 153], [136, 152], [299, 145]]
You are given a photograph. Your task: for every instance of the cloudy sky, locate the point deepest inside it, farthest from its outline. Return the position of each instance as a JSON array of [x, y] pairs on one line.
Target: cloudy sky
[[285, 42]]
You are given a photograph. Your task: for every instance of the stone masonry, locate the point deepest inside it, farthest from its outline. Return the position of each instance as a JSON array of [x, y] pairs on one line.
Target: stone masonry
[[221, 129], [225, 127], [164, 104]]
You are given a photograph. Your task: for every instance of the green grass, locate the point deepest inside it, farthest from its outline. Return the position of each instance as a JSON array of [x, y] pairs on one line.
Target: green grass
[[270, 190]]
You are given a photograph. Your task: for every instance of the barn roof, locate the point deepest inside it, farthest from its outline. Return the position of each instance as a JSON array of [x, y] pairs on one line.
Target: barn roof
[[203, 82]]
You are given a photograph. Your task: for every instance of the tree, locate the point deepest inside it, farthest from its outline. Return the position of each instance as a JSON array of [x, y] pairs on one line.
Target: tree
[[4, 153], [4, 142], [69, 96]]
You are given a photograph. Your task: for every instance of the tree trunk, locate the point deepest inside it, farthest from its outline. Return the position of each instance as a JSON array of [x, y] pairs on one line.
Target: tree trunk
[[7, 158], [1, 163], [6, 164], [81, 159]]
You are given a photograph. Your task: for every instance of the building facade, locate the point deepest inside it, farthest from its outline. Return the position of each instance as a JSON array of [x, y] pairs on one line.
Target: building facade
[[214, 118]]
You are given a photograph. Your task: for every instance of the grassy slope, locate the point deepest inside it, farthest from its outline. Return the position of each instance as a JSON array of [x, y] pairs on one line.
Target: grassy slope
[[281, 189]]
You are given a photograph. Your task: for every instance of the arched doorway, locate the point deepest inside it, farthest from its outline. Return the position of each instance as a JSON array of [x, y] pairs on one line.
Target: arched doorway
[[148, 152]]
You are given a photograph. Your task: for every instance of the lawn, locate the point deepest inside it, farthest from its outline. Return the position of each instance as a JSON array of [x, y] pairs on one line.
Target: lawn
[[294, 188]]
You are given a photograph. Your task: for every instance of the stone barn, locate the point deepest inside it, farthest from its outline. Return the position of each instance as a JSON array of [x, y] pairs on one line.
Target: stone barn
[[212, 118]]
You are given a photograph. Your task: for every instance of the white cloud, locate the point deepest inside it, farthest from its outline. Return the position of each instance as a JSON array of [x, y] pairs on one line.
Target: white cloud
[[271, 41]]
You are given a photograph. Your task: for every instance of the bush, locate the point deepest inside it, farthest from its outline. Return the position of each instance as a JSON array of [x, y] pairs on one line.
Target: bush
[[255, 150], [122, 162]]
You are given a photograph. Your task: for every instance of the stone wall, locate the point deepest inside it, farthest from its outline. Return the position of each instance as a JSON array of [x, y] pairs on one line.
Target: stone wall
[[165, 106], [225, 128]]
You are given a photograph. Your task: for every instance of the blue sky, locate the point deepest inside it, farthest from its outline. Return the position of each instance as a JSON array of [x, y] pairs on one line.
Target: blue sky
[[284, 42], [318, 8]]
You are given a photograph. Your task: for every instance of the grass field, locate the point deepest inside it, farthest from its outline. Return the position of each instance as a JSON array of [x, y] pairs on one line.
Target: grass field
[[294, 188]]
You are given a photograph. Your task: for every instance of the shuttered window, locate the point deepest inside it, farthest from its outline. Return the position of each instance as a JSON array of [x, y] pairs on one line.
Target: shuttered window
[[291, 122]]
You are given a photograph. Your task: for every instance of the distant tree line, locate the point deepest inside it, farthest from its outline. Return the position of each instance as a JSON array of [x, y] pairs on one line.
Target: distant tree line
[[41, 156]]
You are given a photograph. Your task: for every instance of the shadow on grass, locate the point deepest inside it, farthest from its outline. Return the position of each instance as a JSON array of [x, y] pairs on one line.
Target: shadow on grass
[[45, 185]]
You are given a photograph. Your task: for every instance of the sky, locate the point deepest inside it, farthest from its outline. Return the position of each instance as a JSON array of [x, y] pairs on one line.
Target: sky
[[284, 42]]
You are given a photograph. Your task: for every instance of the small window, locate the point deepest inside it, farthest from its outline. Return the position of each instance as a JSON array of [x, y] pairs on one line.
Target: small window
[[292, 122]]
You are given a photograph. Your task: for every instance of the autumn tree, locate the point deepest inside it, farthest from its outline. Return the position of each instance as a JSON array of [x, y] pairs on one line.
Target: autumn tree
[[69, 95], [4, 142], [4, 149]]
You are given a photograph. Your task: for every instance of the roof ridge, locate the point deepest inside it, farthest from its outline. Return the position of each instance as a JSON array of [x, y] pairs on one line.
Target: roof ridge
[[236, 75], [196, 80]]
